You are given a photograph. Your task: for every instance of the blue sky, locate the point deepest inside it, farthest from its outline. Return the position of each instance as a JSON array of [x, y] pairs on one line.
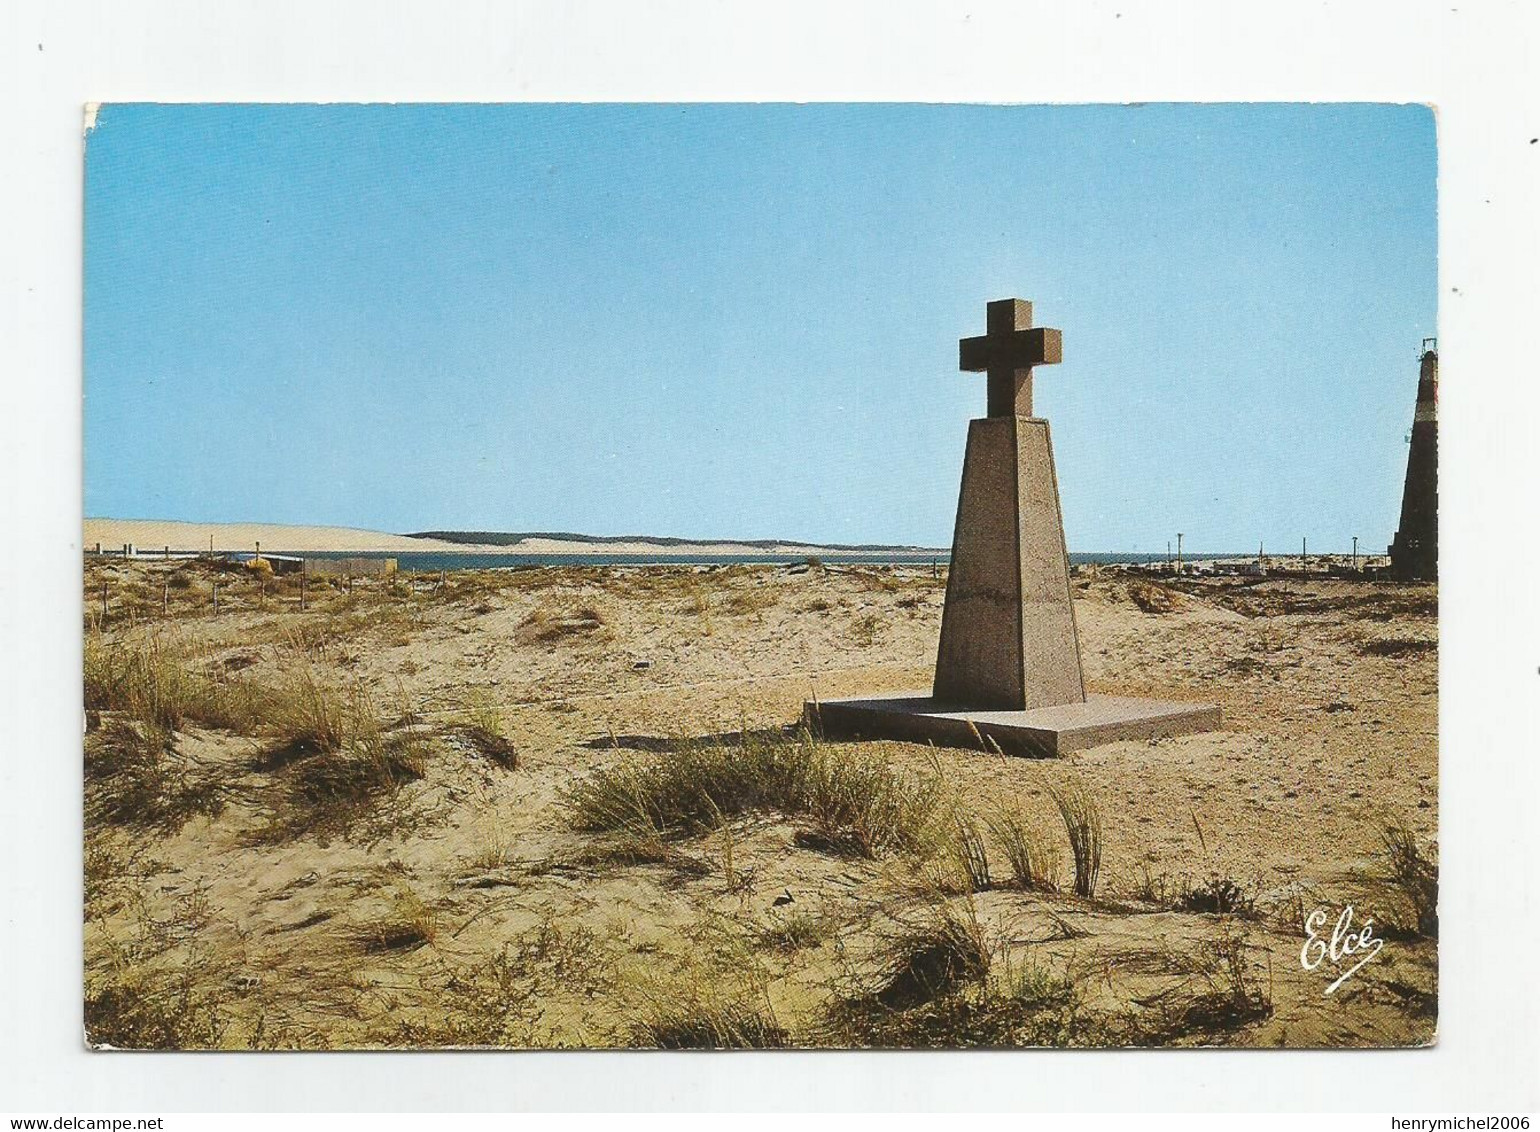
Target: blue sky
[[720, 320]]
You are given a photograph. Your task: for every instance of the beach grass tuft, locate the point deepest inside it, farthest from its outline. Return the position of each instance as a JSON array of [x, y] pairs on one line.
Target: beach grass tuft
[[1034, 864], [1415, 877], [1083, 824], [854, 801]]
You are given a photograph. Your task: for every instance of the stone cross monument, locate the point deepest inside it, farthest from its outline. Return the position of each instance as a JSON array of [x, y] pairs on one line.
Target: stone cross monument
[[1008, 635], [1008, 672]]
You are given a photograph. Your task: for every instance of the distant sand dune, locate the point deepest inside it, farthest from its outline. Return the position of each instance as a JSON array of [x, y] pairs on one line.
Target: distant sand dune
[[153, 534]]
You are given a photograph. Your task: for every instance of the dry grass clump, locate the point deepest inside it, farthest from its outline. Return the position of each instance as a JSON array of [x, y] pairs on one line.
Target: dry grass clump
[[482, 727], [410, 924], [860, 804], [972, 857], [943, 987], [133, 776], [151, 681], [309, 715], [1218, 895], [700, 1015], [1034, 864], [1152, 598], [337, 784], [1032, 1006], [1083, 823], [1398, 646], [335, 756], [797, 931], [493, 853], [553, 623], [865, 630], [935, 957], [856, 802], [1415, 878]]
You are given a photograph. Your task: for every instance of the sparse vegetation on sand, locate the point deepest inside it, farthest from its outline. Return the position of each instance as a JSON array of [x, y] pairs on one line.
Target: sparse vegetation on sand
[[865, 629], [943, 985], [161, 987], [569, 807], [155, 682], [1220, 989], [1152, 597], [483, 728], [631, 849], [335, 755], [547, 623], [134, 775], [502, 1000], [708, 1017]]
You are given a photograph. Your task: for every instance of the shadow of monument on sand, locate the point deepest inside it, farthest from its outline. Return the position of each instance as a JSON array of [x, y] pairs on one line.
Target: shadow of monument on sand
[[658, 743]]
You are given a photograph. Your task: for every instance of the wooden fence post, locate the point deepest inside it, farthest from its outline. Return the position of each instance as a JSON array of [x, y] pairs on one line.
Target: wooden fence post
[[216, 599], [302, 592], [104, 603], [165, 599]]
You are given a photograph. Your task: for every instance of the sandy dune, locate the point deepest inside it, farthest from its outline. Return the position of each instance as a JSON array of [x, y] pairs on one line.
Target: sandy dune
[[153, 534], [467, 908]]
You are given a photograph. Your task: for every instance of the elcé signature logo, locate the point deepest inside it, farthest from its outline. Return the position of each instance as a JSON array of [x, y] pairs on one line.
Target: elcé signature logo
[[1343, 944]]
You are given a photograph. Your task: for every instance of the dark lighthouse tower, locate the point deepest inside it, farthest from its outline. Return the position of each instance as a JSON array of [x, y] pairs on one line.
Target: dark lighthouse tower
[[1414, 553]]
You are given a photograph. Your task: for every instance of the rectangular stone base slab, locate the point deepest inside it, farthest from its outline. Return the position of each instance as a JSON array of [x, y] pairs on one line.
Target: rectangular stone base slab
[[1042, 732]]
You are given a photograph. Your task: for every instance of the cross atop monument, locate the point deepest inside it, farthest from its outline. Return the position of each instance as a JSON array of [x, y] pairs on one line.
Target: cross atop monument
[[1007, 352], [1008, 670]]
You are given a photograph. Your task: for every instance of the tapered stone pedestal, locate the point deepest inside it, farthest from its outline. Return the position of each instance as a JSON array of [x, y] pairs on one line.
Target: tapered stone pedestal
[[1008, 637]]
